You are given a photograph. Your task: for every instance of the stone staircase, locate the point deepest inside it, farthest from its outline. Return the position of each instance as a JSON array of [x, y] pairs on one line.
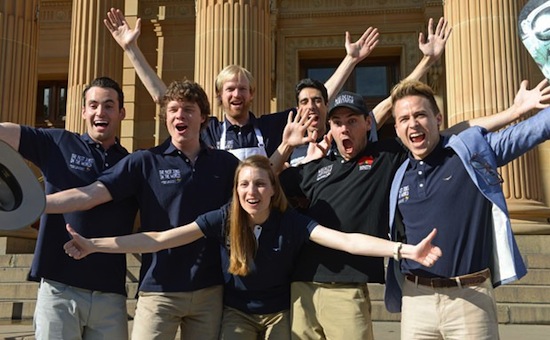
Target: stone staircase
[[524, 302]]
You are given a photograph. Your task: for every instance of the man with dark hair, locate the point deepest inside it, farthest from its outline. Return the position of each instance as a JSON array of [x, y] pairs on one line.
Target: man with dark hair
[[79, 299], [179, 287]]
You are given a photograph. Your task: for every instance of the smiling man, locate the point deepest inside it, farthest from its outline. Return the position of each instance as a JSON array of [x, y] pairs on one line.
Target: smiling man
[[180, 287], [453, 183], [68, 160]]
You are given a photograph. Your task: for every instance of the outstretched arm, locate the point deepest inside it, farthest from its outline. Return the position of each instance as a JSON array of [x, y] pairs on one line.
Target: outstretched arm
[[355, 53], [11, 134], [424, 252], [524, 102], [432, 48], [127, 39], [149, 242], [77, 199]]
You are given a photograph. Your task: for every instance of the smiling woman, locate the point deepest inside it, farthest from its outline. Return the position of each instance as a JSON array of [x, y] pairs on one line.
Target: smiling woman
[[260, 238]]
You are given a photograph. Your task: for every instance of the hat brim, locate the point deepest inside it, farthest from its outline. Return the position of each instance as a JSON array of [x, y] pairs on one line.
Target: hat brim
[[33, 199]]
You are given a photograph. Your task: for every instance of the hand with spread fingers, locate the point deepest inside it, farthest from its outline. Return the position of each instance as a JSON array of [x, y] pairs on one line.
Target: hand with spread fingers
[[120, 29]]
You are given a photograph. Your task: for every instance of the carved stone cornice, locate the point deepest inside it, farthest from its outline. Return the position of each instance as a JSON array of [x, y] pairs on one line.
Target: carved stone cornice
[[55, 12], [171, 9], [322, 8]]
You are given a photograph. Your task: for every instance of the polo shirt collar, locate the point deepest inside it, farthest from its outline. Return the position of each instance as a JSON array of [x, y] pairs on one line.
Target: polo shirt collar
[[435, 156], [86, 137], [251, 123]]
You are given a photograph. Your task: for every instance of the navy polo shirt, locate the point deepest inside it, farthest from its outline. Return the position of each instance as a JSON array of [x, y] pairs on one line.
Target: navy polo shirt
[[68, 160], [350, 196], [437, 192], [267, 288], [271, 126], [171, 191]]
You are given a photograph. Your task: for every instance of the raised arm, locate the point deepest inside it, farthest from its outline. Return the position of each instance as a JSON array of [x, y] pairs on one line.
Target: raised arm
[[424, 252], [127, 39], [11, 134], [355, 53], [524, 101], [77, 199], [432, 47], [148, 242]]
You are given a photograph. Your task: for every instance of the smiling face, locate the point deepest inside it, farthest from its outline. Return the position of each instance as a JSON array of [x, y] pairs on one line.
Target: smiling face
[[255, 191], [417, 125], [349, 131], [183, 121], [312, 99], [102, 114], [236, 97]]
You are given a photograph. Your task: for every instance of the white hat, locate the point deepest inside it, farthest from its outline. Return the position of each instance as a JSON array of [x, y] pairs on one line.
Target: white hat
[[22, 198]]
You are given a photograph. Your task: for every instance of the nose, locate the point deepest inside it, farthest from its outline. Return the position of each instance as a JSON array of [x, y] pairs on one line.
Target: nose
[[413, 122]]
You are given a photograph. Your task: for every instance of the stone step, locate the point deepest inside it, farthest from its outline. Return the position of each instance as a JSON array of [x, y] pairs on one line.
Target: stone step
[[535, 277], [533, 244], [536, 261]]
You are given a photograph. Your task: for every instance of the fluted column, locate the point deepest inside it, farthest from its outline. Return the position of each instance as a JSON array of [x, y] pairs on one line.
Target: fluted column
[[93, 53], [234, 32], [18, 60], [485, 65]]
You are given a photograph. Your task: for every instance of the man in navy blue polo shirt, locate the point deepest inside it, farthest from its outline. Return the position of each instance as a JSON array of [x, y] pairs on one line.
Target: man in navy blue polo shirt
[[452, 183], [241, 132], [348, 190], [174, 183], [93, 300]]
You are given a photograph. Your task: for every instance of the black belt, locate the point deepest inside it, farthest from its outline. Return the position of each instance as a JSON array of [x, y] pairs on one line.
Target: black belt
[[465, 280]]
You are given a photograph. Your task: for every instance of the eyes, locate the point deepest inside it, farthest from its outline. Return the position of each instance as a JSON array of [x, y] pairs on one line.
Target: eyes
[[96, 105], [258, 184], [348, 122], [316, 101], [416, 115]]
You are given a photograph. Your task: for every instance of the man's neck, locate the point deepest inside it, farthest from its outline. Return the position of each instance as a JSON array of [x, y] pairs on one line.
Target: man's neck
[[240, 120], [189, 148]]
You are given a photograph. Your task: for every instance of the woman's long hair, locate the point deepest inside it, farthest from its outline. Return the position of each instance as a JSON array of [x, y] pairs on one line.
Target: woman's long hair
[[240, 234]]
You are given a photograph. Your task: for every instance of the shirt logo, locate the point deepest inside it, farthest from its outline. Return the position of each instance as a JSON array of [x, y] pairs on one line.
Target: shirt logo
[[365, 163], [324, 172], [170, 176], [403, 195], [79, 162]]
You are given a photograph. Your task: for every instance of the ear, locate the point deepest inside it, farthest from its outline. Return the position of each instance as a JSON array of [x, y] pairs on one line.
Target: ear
[[83, 112], [439, 118], [368, 121], [122, 113]]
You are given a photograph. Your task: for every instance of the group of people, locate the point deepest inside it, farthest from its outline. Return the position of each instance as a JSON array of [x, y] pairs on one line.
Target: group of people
[[226, 255]]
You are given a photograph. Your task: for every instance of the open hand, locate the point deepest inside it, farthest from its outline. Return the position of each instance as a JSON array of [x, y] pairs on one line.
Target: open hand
[[434, 44], [120, 30], [360, 49]]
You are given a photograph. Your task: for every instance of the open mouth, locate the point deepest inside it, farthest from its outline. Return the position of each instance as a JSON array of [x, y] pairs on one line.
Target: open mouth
[[347, 144], [417, 137], [181, 127], [101, 123]]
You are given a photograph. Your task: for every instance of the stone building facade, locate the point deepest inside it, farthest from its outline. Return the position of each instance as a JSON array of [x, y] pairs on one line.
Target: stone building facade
[[50, 49]]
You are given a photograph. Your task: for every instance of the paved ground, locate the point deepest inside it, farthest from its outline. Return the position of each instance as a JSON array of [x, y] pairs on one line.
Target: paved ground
[[382, 331]]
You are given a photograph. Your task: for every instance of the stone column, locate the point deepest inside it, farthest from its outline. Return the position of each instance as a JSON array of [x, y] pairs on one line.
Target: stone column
[[93, 53], [18, 60], [485, 64], [234, 32]]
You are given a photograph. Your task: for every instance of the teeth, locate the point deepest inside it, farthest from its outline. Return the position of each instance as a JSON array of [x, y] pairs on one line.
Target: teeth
[[100, 122], [418, 134], [252, 201]]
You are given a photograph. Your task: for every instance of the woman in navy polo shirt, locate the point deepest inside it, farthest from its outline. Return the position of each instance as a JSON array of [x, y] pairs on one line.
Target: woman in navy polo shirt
[[260, 239]]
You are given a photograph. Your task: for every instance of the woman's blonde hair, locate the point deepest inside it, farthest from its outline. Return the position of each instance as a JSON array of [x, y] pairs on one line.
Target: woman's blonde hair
[[239, 232]]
